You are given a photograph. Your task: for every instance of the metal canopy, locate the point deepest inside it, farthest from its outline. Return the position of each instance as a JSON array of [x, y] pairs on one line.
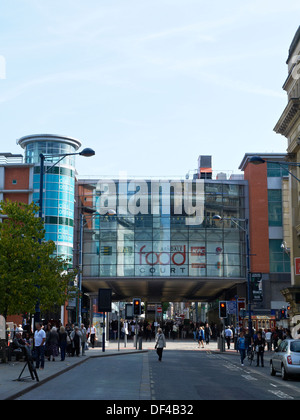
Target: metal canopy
[[159, 289]]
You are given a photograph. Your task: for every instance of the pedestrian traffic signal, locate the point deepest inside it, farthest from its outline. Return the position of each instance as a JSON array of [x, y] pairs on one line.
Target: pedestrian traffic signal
[[137, 309], [282, 314], [223, 309]]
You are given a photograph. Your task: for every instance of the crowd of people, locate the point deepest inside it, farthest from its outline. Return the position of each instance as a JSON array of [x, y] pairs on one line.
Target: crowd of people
[[51, 341], [171, 329], [259, 341]]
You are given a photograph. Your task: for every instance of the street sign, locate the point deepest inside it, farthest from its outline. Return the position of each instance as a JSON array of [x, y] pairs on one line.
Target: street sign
[[231, 307], [256, 287], [129, 311], [159, 309]]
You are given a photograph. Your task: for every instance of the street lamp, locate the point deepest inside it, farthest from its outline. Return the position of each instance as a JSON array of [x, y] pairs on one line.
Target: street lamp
[[87, 152], [246, 230]]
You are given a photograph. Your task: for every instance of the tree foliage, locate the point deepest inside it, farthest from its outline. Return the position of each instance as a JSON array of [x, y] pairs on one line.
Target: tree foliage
[[28, 270]]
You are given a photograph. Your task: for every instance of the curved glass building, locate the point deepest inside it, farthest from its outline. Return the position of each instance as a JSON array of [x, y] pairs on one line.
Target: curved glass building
[[58, 186]]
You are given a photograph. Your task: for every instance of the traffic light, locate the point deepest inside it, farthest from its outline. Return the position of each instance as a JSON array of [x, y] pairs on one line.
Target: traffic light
[[223, 309], [137, 309], [282, 314]]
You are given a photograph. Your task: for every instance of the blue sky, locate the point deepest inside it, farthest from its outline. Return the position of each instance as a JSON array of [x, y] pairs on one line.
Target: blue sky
[[150, 85]]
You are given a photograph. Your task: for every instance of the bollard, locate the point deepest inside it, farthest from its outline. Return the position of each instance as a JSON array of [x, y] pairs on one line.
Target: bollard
[[140, 343]]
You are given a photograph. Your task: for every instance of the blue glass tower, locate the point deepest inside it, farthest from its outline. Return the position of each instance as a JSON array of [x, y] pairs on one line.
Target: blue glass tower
[[58, 186]]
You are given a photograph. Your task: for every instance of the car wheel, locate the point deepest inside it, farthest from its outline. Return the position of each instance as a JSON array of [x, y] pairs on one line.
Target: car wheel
[[272, 370], [284, 375]]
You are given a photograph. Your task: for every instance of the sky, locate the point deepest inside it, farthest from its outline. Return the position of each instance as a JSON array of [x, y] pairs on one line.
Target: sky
[[149, 85]]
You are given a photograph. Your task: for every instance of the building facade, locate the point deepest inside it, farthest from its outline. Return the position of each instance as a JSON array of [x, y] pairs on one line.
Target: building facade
[[269, 225], [58, 186], [159, 239], [288, 125], [20, 181]]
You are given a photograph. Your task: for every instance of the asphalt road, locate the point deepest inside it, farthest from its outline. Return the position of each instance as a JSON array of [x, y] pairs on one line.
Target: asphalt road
[[181, 376]]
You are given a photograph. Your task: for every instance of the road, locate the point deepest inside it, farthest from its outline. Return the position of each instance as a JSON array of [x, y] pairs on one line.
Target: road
[[182, 375]]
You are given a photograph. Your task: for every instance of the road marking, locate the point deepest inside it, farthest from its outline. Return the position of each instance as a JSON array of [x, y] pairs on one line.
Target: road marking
[[249, 378], [281, 394]]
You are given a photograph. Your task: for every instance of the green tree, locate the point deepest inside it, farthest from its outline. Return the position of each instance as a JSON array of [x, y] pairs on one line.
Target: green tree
[[28, 270]]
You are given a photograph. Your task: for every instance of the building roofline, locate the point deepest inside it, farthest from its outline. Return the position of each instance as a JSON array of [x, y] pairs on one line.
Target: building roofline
[[266, 156], [294, 44], [23, 141]]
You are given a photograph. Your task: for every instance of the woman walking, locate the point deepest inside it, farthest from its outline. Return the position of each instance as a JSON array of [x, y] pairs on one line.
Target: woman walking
[[160, 343], [53, 342], [241, 346], [62, 342], [201, 337], [259, 344]]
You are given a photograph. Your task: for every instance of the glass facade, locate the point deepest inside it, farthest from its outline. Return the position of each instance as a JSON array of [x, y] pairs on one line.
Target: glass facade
[[58, 186], [163, 229], [275, 207]]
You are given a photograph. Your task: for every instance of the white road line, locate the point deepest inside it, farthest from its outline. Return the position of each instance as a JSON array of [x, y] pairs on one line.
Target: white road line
[[281, 394], [249, 378]]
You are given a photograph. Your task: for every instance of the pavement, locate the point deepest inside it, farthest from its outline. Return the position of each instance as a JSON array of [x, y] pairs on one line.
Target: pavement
[[11, 388]]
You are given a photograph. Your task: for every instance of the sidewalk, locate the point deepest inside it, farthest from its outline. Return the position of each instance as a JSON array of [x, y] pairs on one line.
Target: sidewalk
[[10, 388]]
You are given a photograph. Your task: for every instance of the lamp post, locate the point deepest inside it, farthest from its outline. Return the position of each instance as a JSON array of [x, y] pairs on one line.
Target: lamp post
[[87, 152], [81, 226], [246, 230]]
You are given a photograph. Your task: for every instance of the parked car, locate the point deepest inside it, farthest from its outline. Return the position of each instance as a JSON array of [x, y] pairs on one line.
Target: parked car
[[286, 359]]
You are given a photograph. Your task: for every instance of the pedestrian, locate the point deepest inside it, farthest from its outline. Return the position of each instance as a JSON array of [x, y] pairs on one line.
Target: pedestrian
[[241, 345], [39, 345], [76, 341], [83, 339], [274, 338], [160, 343], [207, 333], [62, 342], [195, 332], [18, 346], [92, 335], [201, 337], [228, 335], [268, 337], [53, 343], [148, 332], [259, 345], [174, 331]]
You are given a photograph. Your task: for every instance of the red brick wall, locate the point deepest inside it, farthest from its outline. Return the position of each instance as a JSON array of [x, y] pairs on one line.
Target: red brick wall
[[21, 176], [258, 217]]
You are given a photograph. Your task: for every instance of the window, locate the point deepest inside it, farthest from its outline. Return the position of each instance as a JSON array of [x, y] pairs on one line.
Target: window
[[275, 207], [279, 260], [295, 346], [274, 170]]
